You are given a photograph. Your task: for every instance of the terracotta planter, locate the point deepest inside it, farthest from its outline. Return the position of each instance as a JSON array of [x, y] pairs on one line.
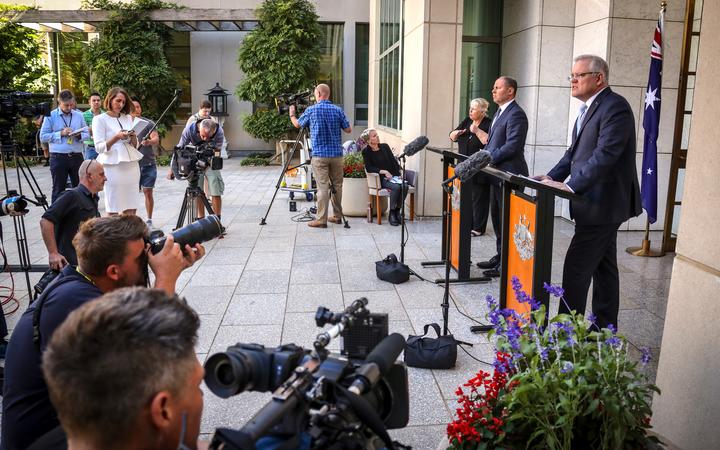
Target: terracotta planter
[[355, 197]]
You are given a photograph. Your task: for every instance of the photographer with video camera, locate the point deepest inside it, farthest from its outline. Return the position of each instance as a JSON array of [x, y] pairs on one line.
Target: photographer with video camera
[[64, 131], [325, 121], [209, 133], [136, 348], [112, 253]]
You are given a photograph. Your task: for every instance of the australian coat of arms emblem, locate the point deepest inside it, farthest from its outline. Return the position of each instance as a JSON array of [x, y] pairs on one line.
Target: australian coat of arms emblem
[[523, 238]]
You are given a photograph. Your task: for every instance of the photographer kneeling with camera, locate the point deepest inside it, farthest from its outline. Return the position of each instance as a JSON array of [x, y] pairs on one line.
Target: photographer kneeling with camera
[[209, 134], [122, 373], [112, 253]]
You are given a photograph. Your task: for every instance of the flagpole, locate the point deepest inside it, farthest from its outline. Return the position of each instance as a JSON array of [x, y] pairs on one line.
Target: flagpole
[[644, 250]]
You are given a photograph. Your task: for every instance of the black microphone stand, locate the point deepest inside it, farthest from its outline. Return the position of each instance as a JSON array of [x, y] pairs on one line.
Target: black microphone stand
[[176, 97], [403, 189]]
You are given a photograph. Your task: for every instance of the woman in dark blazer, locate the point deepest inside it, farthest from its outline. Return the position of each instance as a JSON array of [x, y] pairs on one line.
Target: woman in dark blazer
[[380, 159], [471, 136]]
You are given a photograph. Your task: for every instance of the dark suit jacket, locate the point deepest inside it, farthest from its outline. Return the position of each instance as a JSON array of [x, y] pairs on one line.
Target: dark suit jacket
[[506, 142], [601, 164]]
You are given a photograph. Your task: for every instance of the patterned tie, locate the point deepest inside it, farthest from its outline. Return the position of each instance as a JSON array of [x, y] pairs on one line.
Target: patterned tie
[[581, 117], [495, 119]]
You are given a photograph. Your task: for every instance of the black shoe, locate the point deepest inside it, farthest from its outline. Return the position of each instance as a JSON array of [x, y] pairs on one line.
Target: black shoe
[[493, 273], [490, 264], [393, 218]]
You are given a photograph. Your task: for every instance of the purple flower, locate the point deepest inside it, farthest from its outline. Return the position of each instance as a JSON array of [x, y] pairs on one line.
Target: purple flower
[[613, 341], [555, 291], [646, 356], [612, 328], [567, 367], [592, 318]]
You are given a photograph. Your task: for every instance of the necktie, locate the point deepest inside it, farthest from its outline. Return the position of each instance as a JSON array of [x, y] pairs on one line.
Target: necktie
[[581, 117], [495, 119]]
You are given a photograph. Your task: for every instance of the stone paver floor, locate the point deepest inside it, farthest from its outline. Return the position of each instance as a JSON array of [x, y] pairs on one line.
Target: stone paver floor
[[263, 284]]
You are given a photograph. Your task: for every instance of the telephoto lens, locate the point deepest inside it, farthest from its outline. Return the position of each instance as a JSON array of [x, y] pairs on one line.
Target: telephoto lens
[[202, 230]]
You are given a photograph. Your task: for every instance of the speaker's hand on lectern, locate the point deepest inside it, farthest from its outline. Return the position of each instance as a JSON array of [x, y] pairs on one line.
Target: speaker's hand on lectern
[[540, 178], [557, 185]]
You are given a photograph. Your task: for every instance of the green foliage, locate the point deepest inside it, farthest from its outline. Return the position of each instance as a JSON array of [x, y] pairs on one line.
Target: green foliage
[[354, 165], [22, 67], [130, 53], [280, 56], [256, 159], [163, 160], [72, 63]]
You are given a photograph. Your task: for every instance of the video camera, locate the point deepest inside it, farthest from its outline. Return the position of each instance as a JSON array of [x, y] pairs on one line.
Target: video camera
[[329, 401], [301, 101], [17, 103], [192, 159]]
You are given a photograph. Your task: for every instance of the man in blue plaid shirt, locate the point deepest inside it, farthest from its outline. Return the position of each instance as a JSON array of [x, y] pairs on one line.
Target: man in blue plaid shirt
[[325, 121]]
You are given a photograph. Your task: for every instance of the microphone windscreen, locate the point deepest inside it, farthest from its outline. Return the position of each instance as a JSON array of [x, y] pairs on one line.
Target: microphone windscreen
[[416, 145], [386, 352], [477, 161]]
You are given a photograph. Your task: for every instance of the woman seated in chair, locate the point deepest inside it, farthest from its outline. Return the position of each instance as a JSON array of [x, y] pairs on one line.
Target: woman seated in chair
[[381, 160]]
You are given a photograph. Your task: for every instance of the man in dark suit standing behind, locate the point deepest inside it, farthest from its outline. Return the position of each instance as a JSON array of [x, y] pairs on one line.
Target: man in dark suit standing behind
[[506, 144], [601, 166]]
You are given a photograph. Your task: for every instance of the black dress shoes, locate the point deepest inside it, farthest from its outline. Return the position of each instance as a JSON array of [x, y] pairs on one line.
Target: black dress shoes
[[393, 218], [490, 264], [492, 273]]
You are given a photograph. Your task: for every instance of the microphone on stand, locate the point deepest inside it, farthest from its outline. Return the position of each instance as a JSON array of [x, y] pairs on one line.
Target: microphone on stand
[[414, 146], [471, 166]]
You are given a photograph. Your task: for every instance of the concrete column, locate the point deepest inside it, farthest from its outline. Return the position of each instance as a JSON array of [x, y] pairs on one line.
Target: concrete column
[[687, 410]]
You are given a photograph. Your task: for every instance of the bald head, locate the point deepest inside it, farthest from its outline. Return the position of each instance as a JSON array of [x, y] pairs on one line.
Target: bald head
[[92, 175], [322, 92]]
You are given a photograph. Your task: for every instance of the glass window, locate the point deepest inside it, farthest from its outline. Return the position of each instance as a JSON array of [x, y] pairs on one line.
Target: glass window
[[390, 64], [331, 60], [362, 56], [178, 55]]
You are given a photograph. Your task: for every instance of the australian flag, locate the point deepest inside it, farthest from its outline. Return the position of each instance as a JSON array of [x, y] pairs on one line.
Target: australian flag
[[651, 123]]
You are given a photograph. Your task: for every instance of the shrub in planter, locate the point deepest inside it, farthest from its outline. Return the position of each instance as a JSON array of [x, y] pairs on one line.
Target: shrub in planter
[[353, 165], [562, 384]]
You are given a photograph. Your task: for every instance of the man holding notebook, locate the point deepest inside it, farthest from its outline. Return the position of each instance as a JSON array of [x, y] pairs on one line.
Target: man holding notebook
[[64, 131]]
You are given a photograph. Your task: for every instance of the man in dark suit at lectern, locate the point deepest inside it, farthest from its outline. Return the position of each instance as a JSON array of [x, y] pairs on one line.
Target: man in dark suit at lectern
[[506, 144], [601, 166]]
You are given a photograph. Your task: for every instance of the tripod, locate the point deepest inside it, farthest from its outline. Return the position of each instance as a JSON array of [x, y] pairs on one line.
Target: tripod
[[188, 209], [301, 137], [7, 149]]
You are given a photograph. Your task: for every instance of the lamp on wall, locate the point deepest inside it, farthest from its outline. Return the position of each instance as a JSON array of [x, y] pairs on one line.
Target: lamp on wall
[[218, 97]]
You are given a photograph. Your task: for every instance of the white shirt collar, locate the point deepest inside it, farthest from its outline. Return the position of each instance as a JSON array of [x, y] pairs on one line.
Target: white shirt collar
[[592, 99]]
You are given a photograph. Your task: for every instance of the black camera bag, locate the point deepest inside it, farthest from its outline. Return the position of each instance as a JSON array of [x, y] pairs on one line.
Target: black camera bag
[[392, 270], [431, 353]]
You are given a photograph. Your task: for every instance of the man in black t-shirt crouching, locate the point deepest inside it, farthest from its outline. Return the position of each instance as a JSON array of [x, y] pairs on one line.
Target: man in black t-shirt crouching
[[111, 254]]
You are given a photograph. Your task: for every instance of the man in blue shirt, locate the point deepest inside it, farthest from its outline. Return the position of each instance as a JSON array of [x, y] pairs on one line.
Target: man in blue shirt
[[64, 131], [325, 121]]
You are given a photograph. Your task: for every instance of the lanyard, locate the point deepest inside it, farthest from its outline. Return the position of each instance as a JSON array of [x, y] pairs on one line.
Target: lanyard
[[62, 116], [77, 269]]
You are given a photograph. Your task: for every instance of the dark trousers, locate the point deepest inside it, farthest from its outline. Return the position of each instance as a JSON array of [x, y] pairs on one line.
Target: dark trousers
[[496, 198], [480, 204], [396, 196], [592, 255], [63, 165]]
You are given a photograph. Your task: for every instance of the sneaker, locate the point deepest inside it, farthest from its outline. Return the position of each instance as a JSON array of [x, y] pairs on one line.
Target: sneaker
[[223, 232]]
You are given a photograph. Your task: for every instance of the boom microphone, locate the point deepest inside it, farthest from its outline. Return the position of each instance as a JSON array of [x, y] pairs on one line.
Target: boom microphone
[[415, 146], [466, 169], [378, 363]]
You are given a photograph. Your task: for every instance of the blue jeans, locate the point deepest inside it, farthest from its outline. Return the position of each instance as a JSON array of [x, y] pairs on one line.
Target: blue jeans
[[90, 153]]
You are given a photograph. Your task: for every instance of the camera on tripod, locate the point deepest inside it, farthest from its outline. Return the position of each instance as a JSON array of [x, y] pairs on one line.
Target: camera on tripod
[[192, 159], [333, 401], [14, 104], [301, 101]]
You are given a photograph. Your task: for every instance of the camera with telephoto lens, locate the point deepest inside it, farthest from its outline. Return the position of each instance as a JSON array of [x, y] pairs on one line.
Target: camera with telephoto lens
[[192, 159], [202, 230], [320, 400], [301, 101], [14, 104]]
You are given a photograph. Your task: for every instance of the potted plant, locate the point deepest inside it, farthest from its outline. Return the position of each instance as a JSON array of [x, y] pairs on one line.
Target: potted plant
[[355, 189], [562, 384]]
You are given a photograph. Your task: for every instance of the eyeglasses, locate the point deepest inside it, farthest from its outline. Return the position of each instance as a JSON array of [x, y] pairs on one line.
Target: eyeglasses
[[577, 76]]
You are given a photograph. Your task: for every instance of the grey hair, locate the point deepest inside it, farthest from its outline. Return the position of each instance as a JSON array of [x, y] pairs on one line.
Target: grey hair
[[481, 103], [208, 125], [597, 64], [365, 135]]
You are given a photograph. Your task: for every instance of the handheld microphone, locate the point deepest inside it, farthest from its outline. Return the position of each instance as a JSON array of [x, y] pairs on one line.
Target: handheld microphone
[[468, 168], [415, 146], [13, 206], [377, 364]]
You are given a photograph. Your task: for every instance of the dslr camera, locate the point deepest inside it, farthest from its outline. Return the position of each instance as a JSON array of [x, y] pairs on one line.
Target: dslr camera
[[301, 101], [192, 159]]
